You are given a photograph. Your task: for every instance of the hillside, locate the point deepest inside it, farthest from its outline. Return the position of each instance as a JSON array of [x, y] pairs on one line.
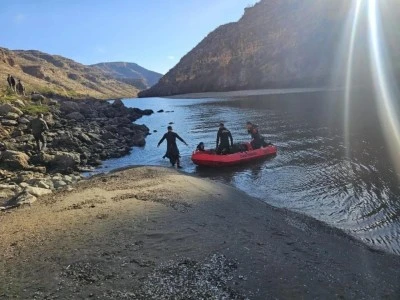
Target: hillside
[[131, 73], [276, 44], [53, 74]]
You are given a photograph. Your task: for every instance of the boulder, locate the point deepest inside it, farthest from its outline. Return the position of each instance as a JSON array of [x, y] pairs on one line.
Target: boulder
[[21, 199], [13, 160], [77, 116], [59, 184], [69, 107], [7, 122], [19, 103], [84, 138], [7, 108], [23, 121], [118, 103], [37, 97], [37, 191], [65, 162], [12, 116]]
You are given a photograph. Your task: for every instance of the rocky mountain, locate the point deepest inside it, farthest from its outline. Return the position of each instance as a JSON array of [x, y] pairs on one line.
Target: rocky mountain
[[53, 74], [131, 73], [277, 43]]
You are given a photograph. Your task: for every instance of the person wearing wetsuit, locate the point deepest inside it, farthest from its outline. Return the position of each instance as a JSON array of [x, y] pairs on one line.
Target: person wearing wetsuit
[[257, 140], [172, 148], [224, 136], [200, 147]]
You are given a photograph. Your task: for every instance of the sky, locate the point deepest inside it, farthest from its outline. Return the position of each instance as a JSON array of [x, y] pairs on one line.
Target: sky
[[153, 33]]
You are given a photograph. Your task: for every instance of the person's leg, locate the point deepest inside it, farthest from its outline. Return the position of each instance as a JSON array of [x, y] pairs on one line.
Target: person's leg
[[37, 140], [43, 140]]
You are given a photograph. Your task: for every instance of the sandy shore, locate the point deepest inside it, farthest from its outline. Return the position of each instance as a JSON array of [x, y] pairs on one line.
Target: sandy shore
[[154, 233]]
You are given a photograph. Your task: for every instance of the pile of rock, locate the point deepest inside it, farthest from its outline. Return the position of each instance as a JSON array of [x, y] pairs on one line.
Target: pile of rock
[[82, 134]]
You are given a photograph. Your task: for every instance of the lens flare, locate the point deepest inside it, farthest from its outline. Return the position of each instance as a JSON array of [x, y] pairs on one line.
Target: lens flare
[[385, 88], [355, 14]]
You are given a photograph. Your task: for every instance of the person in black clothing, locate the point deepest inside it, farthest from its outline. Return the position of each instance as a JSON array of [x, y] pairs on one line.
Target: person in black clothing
[[172, 148], [257, 140], [9, 81], [224, 136], [200, 147], [12, 80]]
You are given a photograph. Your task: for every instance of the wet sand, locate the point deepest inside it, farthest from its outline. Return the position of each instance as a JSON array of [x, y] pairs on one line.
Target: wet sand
[[154, 233]]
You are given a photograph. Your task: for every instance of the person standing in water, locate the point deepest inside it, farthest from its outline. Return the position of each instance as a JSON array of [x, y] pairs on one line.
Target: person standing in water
[[172, 148], [39, 127]]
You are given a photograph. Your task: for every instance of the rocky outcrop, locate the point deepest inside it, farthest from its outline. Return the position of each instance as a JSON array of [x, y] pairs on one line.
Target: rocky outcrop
[[81, 134], [276, 44]]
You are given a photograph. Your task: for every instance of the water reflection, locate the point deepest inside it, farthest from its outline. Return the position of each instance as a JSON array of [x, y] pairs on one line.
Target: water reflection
[[314, 173]]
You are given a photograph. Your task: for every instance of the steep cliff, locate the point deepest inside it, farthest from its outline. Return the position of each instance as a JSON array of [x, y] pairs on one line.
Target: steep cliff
[[277, 43], [131, 73], [53, 74]]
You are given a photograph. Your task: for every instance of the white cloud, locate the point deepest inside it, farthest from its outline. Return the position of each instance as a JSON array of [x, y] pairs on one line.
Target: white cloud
[[19, 18], [171, 57]]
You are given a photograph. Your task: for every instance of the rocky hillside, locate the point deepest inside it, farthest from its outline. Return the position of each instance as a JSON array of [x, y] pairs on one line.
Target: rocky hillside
[[277, 43], [131, 73], [53, 74]]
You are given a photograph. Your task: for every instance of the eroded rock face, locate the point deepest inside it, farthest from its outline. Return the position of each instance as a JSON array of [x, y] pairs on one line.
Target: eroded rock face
[[14, 160], [276, 44]]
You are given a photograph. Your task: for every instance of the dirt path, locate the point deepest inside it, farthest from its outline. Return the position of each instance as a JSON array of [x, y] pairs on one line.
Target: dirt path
[[153, 233]]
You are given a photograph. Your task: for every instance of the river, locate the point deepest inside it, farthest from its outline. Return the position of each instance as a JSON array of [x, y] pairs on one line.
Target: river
[[350, 185]]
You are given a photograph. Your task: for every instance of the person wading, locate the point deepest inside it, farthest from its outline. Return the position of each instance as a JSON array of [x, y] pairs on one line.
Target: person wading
[[224, 136], [39, 127], [172, 148]]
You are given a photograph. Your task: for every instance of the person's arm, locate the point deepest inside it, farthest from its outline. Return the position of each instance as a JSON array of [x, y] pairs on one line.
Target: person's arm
[[181, 139], [45, 127], [231, 138], [218, 137], [162, 140]]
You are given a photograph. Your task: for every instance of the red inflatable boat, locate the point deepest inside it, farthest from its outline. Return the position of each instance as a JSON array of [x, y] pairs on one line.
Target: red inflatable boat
[[210, 159]]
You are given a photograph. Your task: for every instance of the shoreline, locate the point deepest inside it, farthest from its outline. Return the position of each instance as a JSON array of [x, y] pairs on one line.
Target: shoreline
[[82, 134], [129, 235]]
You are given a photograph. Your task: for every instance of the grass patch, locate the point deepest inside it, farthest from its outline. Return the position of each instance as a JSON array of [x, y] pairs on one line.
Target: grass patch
[[35, 109]]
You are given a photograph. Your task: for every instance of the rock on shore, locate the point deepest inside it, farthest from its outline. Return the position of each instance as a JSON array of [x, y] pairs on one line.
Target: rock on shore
[[81, 134]]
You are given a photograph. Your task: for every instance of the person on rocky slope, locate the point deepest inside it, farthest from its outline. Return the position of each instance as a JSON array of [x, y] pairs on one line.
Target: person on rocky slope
[[9, 81], [39, 127], [172, 148], [12, 80], [20, 88]]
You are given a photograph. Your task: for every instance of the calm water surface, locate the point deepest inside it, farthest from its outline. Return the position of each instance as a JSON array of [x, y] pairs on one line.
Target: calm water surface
[[351, 186]]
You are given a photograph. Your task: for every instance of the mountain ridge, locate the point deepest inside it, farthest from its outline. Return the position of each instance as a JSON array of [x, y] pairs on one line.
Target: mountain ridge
[[130, 72], [275, 44], [57, 75]]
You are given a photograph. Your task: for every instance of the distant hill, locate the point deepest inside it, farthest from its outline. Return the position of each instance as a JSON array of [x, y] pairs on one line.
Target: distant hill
[[53, 74], [131, 72], [276, 44]]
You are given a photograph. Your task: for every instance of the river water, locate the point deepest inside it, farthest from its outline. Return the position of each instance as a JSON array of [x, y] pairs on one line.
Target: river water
[[352, 186]]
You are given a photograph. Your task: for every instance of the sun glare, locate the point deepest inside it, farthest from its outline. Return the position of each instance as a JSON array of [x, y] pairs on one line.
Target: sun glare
[[385, 88]]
